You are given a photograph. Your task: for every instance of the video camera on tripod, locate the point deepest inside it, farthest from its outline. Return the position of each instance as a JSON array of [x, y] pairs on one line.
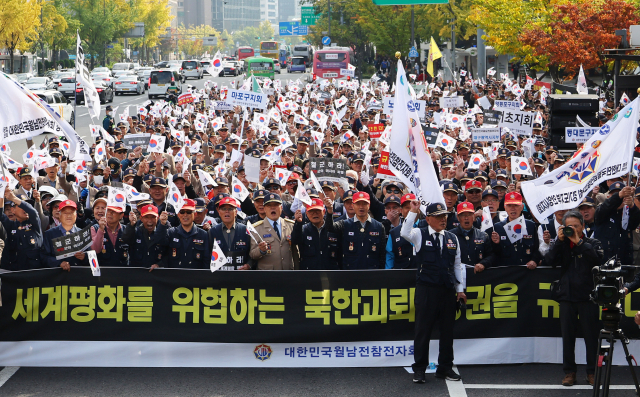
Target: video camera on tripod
[[609, 289]]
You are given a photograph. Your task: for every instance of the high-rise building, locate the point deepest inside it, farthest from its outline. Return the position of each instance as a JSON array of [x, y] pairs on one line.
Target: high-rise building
[[237, 14], [269, 11], [195, 12], [288, 10]]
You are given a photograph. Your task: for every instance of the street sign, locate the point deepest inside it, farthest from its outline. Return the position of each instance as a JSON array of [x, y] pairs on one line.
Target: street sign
[[210, 41], [413, 53], [109, 45], [326, 40], [292, 29], [407, 2], [308, 16]]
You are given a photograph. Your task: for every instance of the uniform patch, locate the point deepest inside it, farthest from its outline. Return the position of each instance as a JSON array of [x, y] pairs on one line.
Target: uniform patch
[[309, 238], [176, 240], [198, 241], [241, 243], [428, 243], [527, 236], [478, 241], [266, 235], [503, 237], [350, 233], [197, 255], [398, 239], [138, 241], [374, 233]]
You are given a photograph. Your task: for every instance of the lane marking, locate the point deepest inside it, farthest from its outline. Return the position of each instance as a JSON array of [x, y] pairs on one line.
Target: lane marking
[[7, 373], [544, 387], [456, 387]]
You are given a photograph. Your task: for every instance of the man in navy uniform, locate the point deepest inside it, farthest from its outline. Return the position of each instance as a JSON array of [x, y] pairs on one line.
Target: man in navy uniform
[[232, 236], [188, 246], [475, 245], [318, 247], [400, 253], [362, 238], [68, 216], [26, 241], [440, 283], [524, 251], [149, 239]]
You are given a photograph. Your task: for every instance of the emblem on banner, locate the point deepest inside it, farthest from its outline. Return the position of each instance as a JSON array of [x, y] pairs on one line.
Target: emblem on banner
[[586, 169], [262, 352]]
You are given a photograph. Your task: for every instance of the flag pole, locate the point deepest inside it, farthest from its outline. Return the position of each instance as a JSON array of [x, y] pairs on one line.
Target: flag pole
[[75, 84]]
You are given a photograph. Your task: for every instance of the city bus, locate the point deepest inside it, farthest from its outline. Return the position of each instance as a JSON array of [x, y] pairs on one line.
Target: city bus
[[260, 67], [328, 62], [244, 52], [269, 49], [302, 50]]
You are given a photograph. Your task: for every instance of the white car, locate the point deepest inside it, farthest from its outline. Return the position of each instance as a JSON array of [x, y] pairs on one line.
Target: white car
[[105, 77], [129, 85], [39, 83], [58, 102], [192, 69], [67, 86]]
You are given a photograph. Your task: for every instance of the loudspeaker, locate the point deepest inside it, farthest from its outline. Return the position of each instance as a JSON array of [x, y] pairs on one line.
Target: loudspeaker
[[560, 103], [560, 121]]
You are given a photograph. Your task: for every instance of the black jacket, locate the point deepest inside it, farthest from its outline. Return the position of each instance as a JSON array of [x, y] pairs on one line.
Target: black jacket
[[576, 262]]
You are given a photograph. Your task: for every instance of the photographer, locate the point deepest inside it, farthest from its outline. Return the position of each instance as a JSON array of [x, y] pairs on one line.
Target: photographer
[[576, 254]]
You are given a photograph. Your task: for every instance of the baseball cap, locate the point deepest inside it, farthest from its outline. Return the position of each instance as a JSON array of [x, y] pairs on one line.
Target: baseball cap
[[272, 198], [259, 194], [592, 203], [24, 171], [348, 195], [67, 203], [149, 209], [436, 209], [158, 182], [361, 196], [465, 206], [201, 205], [490, 192], [228, 201], [407, 197], [616, 186], [392, 199], [513, 198], [316, 204], [450, 187], [472, 185], [189, 205]]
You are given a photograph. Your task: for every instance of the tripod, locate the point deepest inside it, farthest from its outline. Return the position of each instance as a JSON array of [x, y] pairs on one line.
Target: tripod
[[609, 334]]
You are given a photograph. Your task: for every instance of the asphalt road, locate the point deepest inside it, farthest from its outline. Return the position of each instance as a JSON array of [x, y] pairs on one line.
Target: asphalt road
[[529, 380], [83, 120]]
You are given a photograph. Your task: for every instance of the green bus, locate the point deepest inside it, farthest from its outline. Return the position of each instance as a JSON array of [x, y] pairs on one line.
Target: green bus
[[260, 67]]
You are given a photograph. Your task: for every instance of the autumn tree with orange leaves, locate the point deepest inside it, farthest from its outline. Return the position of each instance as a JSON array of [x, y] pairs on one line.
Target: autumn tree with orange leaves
[[578, 33]]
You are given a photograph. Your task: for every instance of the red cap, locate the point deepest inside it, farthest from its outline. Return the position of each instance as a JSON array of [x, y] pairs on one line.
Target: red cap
[[513, 198], [115, 209], [316, 204], [293, 176], [149, 209], [67, 203], [189, 205], [465, 206], [361, 196], [472, 184], [228, 201], [407, 197]]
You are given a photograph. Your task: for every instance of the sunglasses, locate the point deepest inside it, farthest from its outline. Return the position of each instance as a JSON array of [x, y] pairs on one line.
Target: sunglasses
[[393, 191], [186, 212], [273, 188]]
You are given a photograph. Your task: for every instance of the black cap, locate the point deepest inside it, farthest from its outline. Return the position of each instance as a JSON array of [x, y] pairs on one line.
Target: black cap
[[436, 209]]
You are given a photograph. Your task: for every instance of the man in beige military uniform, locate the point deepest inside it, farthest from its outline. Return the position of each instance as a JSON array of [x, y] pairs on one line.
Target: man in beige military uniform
[[274, 251]]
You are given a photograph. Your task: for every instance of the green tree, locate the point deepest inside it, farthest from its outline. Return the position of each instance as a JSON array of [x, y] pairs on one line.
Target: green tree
[[19, 21], [59, 27], [190, 39], [156, 16]]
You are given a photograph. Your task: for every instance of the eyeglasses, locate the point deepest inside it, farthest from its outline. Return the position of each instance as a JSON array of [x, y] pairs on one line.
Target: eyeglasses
[[393, 191], [185, 212], [273, 187]]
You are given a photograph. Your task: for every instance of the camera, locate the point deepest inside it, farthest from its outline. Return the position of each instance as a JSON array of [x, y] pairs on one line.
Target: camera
[[609, 289], [568, 231]]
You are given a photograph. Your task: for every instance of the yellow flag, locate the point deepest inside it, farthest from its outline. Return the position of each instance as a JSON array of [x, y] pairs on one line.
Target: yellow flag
[[434, 53]]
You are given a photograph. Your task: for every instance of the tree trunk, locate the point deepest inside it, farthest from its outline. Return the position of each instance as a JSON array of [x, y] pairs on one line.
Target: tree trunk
[[11, 71]]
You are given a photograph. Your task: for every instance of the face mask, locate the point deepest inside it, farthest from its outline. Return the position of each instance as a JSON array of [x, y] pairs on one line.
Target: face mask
[[97, 179], [108, 113]]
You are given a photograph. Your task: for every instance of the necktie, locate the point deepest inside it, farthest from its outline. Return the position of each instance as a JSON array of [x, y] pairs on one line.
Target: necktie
[[275, 227], [436, 237]]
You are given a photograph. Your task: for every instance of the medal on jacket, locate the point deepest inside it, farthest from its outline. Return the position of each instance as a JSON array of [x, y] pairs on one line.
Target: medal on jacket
[[399, 251], [175, 252], [104, 251], [351, 246], [466, 238], [362, 230], [228, 231], [268, 248]]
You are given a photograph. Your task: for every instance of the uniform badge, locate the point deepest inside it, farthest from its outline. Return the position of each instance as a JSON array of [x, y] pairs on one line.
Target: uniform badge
[[373, 248], [124, 254], [104, 251], [309, 238], [197, 255], [528, 251], [175, 252], [399, 251], [350, 233], [428, 243], [33, 241], [351, 246], [266, 235], [480, 255]]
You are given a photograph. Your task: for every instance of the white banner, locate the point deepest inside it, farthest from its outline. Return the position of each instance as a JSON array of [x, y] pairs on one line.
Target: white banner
[[519, 123], [419, 106], [252, 169], [247, 98], [91, 97], [506, 105], [485, 134], [606, 155], [579, 134], [451, 102]]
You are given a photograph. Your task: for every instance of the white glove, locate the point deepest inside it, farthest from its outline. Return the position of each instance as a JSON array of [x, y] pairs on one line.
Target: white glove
[[364, 178]]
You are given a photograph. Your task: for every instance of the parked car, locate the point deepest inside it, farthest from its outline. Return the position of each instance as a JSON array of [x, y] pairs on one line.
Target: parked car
[[276, 66], [104, 91], [129, 85], [161, 65], [297, 64], [59, 76], [67, 86], [39, 83], [58, 102], [101, 69], [192, 69]]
